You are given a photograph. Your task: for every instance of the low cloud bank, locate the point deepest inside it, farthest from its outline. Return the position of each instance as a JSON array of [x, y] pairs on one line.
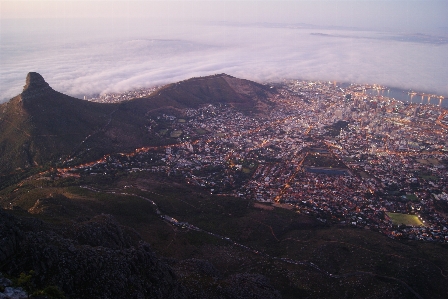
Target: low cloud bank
[[86, 63]]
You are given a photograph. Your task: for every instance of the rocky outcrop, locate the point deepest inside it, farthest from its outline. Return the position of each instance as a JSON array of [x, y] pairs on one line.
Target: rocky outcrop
[[113, 266], [7, 291], [103, 230], [35, 86]]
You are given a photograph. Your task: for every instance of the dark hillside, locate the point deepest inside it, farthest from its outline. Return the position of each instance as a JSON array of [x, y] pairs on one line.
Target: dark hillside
[[91, 241], [110, 265], [218, 89], [41, 127]]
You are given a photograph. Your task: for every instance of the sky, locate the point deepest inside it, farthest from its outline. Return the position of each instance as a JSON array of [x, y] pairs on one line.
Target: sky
[[93, 47]]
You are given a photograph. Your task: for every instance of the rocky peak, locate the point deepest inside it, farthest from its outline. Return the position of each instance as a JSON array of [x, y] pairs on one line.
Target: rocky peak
[[35, 86], [35, 80]]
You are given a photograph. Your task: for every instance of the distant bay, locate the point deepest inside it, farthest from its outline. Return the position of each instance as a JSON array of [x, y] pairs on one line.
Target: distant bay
[[408, 96]]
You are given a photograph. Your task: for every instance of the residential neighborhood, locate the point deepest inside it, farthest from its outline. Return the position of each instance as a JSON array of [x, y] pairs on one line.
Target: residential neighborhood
[[340, 154]]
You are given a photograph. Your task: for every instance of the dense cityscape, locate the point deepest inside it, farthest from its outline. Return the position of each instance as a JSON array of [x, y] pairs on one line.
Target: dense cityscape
[[337, 153]]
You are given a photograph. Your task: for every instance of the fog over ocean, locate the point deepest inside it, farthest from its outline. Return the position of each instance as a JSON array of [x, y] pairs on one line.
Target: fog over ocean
[[92, 56]]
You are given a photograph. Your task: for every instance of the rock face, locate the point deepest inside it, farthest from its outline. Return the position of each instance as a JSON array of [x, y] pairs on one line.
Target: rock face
[[105, 265], [35, 86], [99, 258], [9, 292]]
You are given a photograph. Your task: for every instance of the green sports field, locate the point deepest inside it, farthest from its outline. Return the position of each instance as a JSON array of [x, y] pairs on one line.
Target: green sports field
[[410, 220]]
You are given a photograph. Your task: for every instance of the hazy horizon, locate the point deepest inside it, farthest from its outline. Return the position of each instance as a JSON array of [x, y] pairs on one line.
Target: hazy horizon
[[85, 48]]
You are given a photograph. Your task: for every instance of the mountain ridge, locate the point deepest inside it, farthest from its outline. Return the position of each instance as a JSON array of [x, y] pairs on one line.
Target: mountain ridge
[[42, 127]]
